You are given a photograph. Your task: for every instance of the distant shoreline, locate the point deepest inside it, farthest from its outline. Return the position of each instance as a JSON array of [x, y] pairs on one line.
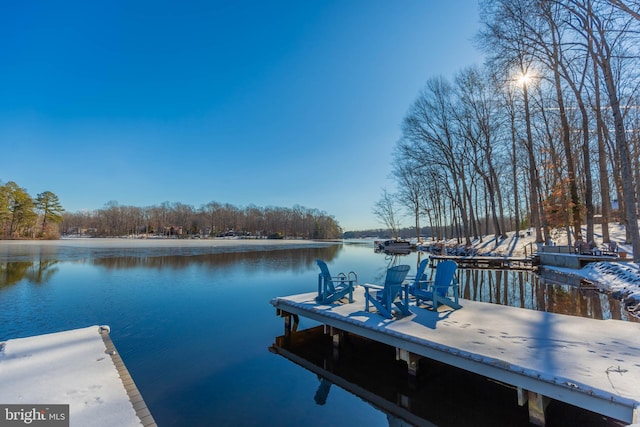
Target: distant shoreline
[[78, 248], [159, 241]]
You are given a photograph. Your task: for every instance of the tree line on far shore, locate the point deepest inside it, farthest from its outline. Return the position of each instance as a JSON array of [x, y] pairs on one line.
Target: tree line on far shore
[[23, 216], [26, 217], [210, 220]]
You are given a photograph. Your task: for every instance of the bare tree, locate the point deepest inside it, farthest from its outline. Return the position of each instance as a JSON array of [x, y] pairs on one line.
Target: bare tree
[[430, 138], [478, 124], [386, 209], [628, 9], [603, 28], [504, 37], [411, 187]]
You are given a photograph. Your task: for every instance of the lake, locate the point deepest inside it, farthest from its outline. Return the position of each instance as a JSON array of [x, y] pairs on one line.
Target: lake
[[195, 328]]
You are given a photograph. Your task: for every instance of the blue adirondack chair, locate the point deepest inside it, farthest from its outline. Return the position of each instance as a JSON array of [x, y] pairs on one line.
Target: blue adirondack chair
[[436, 292], [385, 297], [421, 279], [331, 289]]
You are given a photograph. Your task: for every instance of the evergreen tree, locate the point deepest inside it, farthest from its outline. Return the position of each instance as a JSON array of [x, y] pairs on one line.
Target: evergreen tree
[[49, 206], [21, 216]]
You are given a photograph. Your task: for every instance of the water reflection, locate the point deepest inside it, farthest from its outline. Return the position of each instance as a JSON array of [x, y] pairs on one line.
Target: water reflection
[[440, 395], [525, 289], [37, 272], [293, 260]]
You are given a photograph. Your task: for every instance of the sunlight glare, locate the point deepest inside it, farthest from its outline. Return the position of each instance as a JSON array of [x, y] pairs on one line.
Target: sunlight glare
[[524, 79]]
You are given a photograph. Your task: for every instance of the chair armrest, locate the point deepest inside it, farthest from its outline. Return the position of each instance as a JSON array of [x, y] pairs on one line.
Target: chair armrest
[[424, 284], [372, 286], [453, 285]]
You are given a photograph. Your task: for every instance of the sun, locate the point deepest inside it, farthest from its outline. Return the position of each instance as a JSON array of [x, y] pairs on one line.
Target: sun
[[524, 79]]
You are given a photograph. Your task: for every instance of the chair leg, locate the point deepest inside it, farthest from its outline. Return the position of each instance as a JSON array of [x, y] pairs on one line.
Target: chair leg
[[382, 309]]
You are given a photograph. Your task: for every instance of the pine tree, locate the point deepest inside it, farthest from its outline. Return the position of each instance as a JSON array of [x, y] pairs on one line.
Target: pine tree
[[51, 209]]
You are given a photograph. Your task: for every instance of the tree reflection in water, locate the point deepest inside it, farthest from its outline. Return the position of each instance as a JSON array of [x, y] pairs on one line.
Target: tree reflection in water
[[289, 260], [38, 272], [292, 260], [525, 289]]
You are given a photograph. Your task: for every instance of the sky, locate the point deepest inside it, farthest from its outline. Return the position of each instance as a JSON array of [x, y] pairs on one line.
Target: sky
[[266, 103]]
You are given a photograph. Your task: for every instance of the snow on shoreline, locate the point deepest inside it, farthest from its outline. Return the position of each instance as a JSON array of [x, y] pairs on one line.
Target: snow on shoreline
[[619, 278]]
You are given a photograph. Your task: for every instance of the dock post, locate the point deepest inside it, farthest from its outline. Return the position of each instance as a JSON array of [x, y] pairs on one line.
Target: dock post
[[336, 338], [411, 359], [404, 401], [537, 405], [289, 328]]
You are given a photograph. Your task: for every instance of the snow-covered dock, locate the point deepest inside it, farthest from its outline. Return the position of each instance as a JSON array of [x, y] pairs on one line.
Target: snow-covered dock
[[592, 364], [79, 368]]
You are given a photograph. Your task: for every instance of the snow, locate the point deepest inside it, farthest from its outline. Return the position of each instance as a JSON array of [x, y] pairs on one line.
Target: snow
[[69, 367]]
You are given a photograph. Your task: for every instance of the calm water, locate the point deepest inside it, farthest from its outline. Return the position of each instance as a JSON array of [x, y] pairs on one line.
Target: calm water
[[195, 330]]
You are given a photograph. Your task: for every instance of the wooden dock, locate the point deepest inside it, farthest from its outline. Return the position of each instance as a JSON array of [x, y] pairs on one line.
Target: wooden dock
[[565, 256], [488, 262], [591, 364], [79, 368], [135, 397]]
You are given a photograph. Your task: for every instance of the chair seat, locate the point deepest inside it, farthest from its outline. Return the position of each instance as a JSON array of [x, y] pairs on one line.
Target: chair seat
[[436, 299]]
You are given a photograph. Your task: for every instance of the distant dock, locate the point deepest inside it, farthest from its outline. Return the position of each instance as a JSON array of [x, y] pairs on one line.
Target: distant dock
[[79, 368], [488, 262], [591, 364], [566, 256]]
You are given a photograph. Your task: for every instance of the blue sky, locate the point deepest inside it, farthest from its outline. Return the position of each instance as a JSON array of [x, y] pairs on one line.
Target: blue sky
[[272, 103]]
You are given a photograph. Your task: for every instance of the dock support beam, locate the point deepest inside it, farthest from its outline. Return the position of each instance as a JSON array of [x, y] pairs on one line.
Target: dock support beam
[[411, 359], [537, 405]]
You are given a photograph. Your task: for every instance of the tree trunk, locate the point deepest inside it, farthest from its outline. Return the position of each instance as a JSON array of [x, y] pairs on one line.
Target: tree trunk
[[533, 170], [566, 142]]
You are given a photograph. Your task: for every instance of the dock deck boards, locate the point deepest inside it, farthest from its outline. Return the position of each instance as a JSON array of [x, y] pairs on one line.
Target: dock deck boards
[[80, 368], [593, 364]]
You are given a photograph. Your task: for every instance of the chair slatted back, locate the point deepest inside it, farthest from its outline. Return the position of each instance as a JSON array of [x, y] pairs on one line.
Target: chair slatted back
[[420, 276], [393, 281], [445, 272], [326, 275]]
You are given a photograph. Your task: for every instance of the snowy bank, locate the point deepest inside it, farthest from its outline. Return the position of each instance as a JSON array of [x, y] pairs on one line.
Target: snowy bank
[[618, 278]]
